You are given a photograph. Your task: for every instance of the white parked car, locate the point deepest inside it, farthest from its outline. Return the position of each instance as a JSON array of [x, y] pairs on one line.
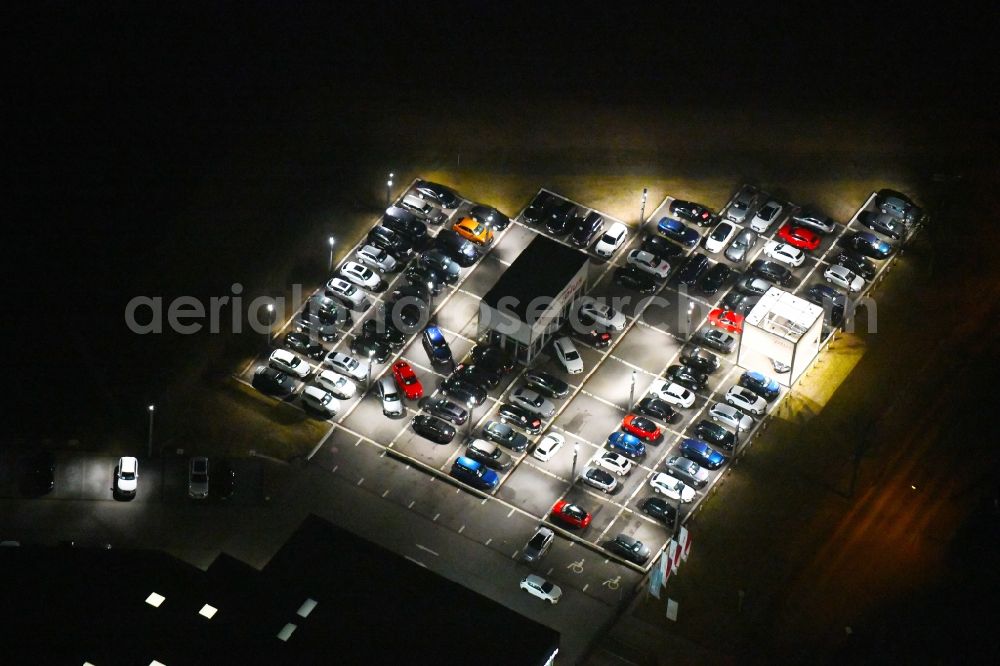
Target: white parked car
[[392, 399], [348, 365], [377, 258], [337, 384], [612, 239], [675, 394], [720, 236], [533, 402], [198, 477], [842, 276], [766, 216], [673, 488], [746, 400], [321, 400], [285, 361], [784, 253], [603, 314], [730, 416], [541, 588], [649, 263], [568, 355], [127, 475], [613, 462], [550, 444], [360, 275]]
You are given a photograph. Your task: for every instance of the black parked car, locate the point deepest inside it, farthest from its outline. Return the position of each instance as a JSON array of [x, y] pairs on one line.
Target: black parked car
[[464, 391], [489, 216], [391, 241], [585, 230], [439, 194], [692, 212], [658, 409], [856, 263], [700, 359], [504, 435], [460, 250], [485, 377], [660, 509], [882, 223], [715, 434], [546, 384], [302, 343], [661, 247], [444, 409], [636, 279], [39, 476], [692, 268], [433, 428], [223, 479], [685, 376], [406, 223], [270, 381], [426, 276], [442, 264], [493, 358], [520, 418], [770, 271], [739, 303], [715, 278], [560, 218], [386, 332], [539, 209], [718, 340], [371, 343]]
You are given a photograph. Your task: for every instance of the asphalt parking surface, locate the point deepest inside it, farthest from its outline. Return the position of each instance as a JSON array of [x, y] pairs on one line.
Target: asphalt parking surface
[[599, 398]]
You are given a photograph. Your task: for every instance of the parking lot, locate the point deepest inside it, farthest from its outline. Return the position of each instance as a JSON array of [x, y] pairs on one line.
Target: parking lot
[[658, 327]]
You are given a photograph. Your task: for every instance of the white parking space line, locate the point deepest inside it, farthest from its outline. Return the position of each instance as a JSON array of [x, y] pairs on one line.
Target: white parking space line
[[602, 400], [415, 561]]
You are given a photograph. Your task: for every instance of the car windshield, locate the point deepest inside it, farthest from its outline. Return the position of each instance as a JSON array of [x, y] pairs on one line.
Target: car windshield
[[128, 476], [547, 587], [572, 356]]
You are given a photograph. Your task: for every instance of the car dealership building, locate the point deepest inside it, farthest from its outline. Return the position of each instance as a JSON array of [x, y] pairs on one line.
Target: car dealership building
[[532, 299], [781, 336]]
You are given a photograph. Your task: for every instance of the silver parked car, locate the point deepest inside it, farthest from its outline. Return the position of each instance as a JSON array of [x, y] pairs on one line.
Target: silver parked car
[[740, 247], [687, 471], [742, 204]]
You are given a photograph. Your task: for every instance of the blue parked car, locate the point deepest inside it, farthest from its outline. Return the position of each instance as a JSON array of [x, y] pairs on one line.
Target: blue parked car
[[702, 453], [869, 245], [760, 384], [627, 444], [474, 473], [678, 231], [437, 347]]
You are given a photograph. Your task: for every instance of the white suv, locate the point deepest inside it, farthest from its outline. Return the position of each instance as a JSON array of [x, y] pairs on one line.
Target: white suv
[[320, 400], [392, 400], [348, 365], [127, 476], [611, 240], [675, 394], [568, 355]]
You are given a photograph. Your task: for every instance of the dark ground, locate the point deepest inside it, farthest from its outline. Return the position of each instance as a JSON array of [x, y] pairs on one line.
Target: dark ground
[[178, 154]]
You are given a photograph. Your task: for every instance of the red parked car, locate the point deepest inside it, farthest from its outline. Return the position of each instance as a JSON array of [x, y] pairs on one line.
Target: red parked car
[[407, 380], [570, 514], [641, 427], [727, 320], [799, 237]]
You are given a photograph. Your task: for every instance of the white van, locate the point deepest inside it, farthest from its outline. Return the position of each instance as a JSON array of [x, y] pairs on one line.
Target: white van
[[392, 401]]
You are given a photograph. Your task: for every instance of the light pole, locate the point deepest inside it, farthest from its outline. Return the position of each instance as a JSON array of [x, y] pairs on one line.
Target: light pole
[[642, 208], [736, 442], [631, 392], [430, 298], [471, 405], [270, 322], [331, 241], [388, 190], [368, 381], [576, 452], [152, 410], [690, 310]]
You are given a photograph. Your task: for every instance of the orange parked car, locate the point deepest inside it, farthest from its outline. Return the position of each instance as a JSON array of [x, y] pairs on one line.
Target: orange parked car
[[474, 230]]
